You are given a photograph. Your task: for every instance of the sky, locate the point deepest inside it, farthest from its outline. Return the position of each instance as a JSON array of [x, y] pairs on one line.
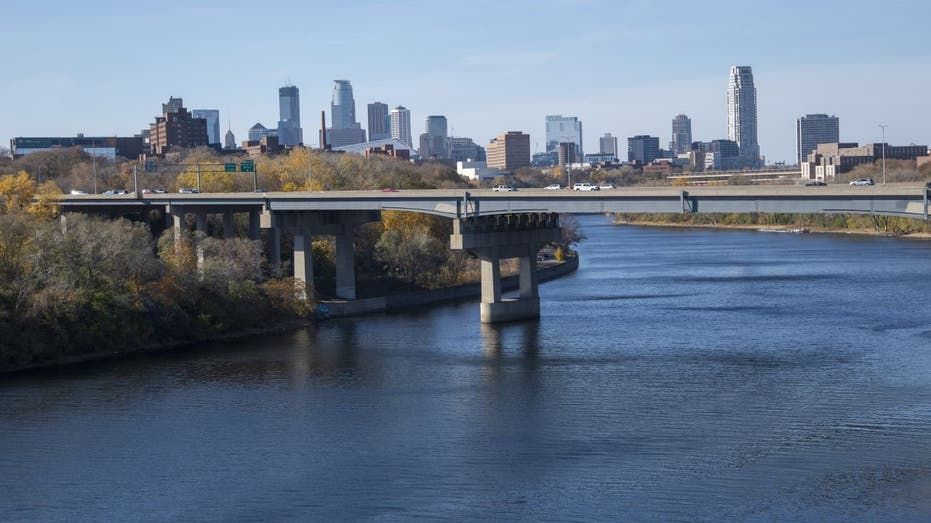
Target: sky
[[104, 67]]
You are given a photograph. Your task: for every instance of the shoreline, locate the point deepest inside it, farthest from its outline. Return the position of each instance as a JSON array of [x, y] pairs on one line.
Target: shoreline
[[777, 228], [418, 299]]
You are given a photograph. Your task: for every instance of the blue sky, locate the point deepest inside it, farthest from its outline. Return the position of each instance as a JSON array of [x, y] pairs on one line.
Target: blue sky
[[104, 67]]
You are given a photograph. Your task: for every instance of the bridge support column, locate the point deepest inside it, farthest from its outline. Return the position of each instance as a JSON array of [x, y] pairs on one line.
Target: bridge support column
[[228, 231], [345, 265], [200, 224], [493, 238], [304, 259], [255, 225]]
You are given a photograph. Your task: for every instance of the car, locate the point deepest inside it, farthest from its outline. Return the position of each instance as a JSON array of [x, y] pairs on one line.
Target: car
[[503, 188], [553, 187], [158, 191], [76, 192], [816, 184], [188, 190], [928, 185], [113, 192], [584, 187], [606, 186], [863, 181]]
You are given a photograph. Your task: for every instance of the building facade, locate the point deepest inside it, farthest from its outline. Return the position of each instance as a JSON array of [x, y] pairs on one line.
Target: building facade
[[111, 147], [642, 149], [561, 129], [259, 131], [344, 129], [290, 133], [434, 143], [742, 115], [229, 141], [813, 130], [837, 158], [463, 149], [681, 134], [509, 151], [565, 152], [401, 125], [379, 121], [608, 144], [176, 128], [213, 124]]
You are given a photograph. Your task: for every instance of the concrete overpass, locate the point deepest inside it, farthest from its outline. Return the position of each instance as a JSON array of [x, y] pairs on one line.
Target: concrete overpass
[[491, 225]]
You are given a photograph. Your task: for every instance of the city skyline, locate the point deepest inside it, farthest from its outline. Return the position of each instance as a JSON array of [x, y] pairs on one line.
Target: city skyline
[[637, 99]]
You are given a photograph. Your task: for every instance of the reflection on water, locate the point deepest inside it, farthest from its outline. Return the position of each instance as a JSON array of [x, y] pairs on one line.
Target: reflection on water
[[678, 375]]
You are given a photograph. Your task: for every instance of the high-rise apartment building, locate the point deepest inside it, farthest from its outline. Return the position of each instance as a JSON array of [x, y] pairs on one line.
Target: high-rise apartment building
[[608, 144], [681, 134], [642, 149], [290, 133], [176, 128], [509, 151], [561, 129], [741, 115], [401, 124], [434, 142], [813, 130], [213, 123], [379, 121]]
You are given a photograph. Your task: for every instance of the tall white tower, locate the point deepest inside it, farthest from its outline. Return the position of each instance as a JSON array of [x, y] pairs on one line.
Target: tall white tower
[[741, 115], [401, 124]]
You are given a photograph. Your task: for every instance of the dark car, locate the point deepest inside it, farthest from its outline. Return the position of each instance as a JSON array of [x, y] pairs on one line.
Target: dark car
[[816, 184]]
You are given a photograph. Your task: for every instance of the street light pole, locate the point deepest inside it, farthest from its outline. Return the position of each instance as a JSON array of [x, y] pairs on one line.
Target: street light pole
[[883, 127]]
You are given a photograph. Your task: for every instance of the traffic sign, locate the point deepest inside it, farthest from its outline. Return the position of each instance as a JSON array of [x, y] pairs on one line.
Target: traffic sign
[[229, 167], [247, 166]]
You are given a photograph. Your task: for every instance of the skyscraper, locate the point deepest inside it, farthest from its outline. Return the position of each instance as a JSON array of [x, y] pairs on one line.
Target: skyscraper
[[344, 129], [741, 115], [379, 121], [812, 130], [681, 134], [509, 151], [608, 144], [561, 129], [229, 141], [434, 142], [289, 120], [401, 124], [213, 123]]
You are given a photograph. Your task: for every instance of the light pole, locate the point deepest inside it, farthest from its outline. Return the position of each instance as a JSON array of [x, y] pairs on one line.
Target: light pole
[[883, 127]]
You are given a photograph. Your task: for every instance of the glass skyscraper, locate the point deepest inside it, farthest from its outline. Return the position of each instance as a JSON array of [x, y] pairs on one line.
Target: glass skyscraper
[[379, 121], [289, 121], [741, 115], [561, 129], [344, 129], [213, 123]]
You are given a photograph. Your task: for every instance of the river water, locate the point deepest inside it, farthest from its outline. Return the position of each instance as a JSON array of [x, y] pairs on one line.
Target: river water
[[678, 375]]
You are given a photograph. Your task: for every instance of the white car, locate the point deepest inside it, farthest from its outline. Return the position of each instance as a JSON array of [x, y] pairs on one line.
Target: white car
[[504, 188], [114, 192], [553, 187], [584, 187], [863, 181], [76, 192], [606, 186]]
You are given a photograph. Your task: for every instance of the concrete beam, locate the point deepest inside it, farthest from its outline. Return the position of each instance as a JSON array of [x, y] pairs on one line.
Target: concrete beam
[[304, 259]]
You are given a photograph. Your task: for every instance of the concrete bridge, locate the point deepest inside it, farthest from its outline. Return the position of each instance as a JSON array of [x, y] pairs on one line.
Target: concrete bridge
[[491, 225]]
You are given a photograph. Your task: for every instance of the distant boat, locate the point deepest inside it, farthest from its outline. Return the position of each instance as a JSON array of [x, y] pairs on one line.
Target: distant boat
[[790, 231]]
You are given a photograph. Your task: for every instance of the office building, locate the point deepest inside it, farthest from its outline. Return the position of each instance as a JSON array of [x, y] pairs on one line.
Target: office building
[[642, 149], [608, 144], [213, 124], [509, 151], [813, 130], [259, 131], [721, 155], [379, 121], [464, 149], [681, 134], [401, 125], [742, 115], [836, 158], [434, 142], [565, 152], [176, 128], [344, 129], [110, 147], [561, 129], [476, 170], [229, 141], [289, 131]]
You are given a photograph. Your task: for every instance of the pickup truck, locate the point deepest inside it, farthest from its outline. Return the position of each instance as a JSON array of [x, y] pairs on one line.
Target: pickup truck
[[585, 187], [503, 188]]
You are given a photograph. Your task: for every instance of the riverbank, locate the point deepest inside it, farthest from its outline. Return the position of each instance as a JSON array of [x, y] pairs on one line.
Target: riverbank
[[775, 228], [335, 309]]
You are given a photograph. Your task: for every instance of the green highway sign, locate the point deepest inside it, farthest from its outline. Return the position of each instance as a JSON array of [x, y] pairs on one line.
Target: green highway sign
[[229, 167], [247, 166]]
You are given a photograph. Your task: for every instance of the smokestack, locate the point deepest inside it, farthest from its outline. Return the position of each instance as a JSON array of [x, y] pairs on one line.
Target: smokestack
[[323, 144]]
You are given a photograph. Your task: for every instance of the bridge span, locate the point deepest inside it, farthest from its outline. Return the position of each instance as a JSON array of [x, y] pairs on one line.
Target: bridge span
[[491, 225]]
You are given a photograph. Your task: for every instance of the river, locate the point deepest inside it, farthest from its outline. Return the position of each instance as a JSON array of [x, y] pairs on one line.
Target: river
[[679, 375]]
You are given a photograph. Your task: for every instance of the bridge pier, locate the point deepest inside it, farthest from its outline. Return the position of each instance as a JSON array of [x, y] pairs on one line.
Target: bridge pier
[[498, 237]]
